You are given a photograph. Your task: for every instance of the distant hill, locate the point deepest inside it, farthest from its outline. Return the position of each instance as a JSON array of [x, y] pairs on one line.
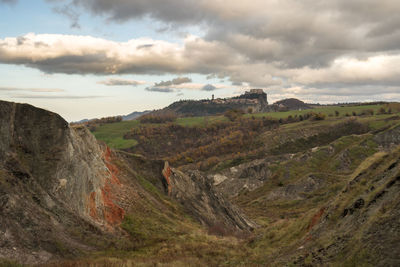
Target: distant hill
[[134, 115], [80, 122], [291, 104]]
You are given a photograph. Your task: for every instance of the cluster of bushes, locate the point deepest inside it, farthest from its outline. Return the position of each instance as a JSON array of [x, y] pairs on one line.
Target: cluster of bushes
[[158, 117], [233, 114], [308, 116]]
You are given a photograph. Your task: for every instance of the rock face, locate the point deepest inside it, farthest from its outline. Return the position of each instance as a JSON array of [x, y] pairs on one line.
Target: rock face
[[51, 176], [198, 196], [247, 176], [389, 138]]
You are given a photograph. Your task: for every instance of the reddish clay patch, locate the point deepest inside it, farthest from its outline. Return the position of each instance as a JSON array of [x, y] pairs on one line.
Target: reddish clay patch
[[166, 172], [92, 205], [111, 167], [113, 214], [315, 219]]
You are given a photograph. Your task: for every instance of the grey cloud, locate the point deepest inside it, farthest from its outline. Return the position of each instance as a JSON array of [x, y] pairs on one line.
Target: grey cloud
[[237, 83], [69, 12], [123, 10], [20, 40], [209, 87], [121, 82], [160, 89], [175, 81], [145, 46]]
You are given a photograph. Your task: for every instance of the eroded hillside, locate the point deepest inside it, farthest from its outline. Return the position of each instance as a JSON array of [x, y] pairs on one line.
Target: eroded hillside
[[310, 191], [62, 194]]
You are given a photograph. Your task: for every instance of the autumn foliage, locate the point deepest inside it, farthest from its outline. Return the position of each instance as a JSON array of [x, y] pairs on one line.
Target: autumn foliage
[[182, 145]]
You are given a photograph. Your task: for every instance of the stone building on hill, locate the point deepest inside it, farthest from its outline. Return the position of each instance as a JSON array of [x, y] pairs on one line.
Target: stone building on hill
[[258, 94]]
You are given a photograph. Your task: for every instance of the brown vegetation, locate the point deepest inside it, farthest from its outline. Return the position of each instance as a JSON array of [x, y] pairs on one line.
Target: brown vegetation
[[158, 117], [182, 145]]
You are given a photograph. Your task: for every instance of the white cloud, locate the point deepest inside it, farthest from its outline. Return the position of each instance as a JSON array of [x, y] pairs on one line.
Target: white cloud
[[375, 70]]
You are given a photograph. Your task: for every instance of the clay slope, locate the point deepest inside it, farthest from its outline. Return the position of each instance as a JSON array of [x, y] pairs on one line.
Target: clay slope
[[62, 194]]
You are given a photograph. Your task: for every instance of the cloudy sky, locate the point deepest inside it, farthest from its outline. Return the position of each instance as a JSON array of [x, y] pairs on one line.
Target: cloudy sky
[[93, 58]]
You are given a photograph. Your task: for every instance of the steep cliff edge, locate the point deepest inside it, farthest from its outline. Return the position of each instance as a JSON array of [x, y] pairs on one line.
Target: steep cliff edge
[[51, 176]]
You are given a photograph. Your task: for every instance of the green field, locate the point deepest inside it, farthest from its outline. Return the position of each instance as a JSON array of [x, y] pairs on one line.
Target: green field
[[112, 133]]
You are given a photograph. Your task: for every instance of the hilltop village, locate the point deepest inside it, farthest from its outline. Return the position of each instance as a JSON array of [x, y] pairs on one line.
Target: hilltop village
[[252, 101]]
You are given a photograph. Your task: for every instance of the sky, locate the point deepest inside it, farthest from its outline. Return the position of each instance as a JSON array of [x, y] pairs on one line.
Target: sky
[[97, 58]]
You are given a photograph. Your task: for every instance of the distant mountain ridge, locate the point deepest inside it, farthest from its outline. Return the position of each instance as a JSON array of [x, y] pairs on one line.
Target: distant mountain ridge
[[129, 117], [134, 115]]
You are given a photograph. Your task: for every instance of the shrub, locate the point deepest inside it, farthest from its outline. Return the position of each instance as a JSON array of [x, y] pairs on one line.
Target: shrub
[[367, 112], [317, 116], [382, 110], [233, 114]]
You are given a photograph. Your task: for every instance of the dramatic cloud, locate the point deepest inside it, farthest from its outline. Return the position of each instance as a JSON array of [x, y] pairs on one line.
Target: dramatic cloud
[[53, 53], [121, 82], [296, 33], [332, 45]]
